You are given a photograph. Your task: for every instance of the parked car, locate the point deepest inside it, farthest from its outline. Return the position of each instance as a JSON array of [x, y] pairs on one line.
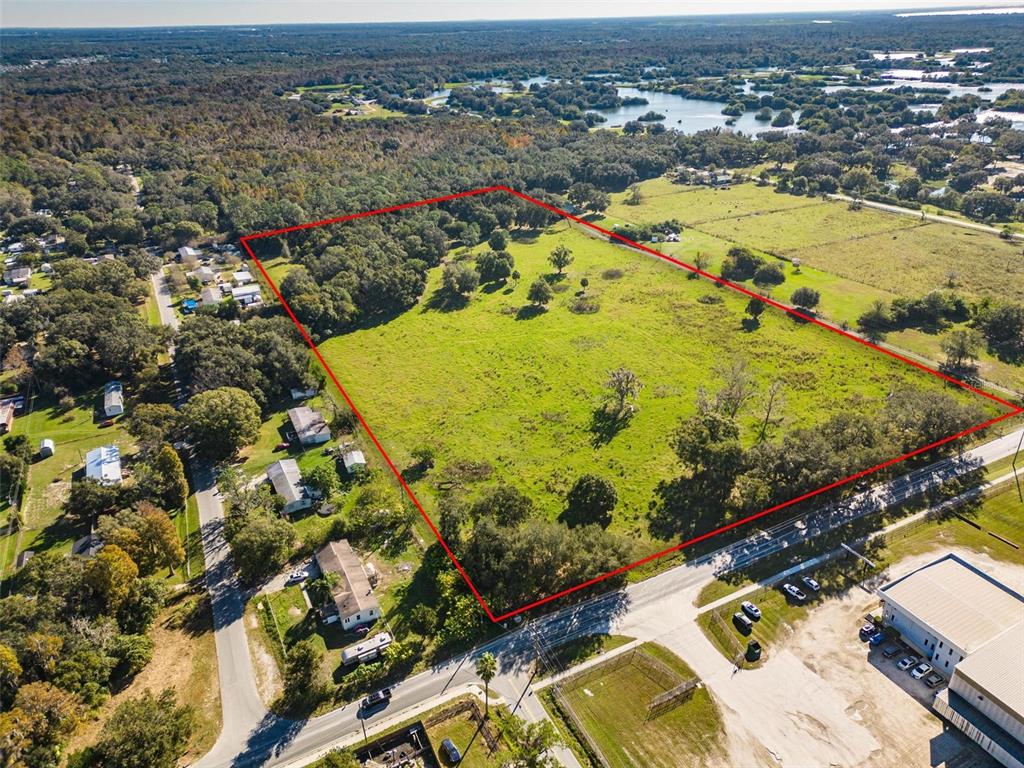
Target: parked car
[[751, 610], [921, 670], [878, 638], [107, 423], [810, 583], [892, 650], [362, 630], [793, 592], [284, 445], [451, 751], [868, 630], [753, 650], [934, 680], [297, 576], [906, 663], [742, 621], [377, 698]]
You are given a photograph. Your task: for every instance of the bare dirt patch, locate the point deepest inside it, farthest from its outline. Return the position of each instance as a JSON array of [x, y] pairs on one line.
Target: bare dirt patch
[[268, 676]]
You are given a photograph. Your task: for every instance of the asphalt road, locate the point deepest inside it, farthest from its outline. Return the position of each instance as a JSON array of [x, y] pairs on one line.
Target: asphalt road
[[280, 743]]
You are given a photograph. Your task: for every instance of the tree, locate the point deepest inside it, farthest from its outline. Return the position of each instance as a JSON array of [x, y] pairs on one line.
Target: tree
[[486, 669], [505, 503], [89, 499], [590, 500], [805, 298], [153, 424], [302, 673], [339, 758], [322, 478], [635, 196], [875, 322], [498, 241], [584, 283], [494, 266], [623, 385], [110, 575], [962, 348], [147, 732], [754, 308], [147, 535], [170, 472], [516, 277], [51, 716], [540, 292], [460, 279], [560, 258], [531, 742], [262, 546], [708, 445], [10, 674], [221, 421]]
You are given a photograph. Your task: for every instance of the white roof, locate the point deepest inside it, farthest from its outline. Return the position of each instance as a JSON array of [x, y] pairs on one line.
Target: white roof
[[354, 459], [243, 291], [103, 464], [958, 601], [113, 394], [241, 276], [210, 295], [998, 669], [186, 251], [287, 479]]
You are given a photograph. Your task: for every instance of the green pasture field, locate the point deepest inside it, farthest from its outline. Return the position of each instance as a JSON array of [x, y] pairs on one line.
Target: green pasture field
[[498, 382], [612, 708]]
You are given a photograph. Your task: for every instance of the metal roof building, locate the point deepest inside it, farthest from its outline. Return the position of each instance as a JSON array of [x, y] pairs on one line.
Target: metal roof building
[[286, 478], [103, 465]]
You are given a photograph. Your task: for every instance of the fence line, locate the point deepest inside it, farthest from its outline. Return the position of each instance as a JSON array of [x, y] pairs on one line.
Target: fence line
[[669, 700], [578, 729]]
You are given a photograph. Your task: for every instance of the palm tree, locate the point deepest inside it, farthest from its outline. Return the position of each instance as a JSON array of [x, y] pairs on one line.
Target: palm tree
[[486, 668]]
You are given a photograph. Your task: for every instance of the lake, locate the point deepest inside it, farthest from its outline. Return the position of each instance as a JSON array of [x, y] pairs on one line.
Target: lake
[[682, 114]]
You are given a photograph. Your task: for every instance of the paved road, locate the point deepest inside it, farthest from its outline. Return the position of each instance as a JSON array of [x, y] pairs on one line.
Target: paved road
[[164, 300], [653, 603]]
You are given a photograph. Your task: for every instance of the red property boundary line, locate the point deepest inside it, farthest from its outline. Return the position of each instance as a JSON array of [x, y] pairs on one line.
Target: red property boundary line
[[1013, 410]]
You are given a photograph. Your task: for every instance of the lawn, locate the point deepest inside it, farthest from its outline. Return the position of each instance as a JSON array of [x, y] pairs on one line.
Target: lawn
[[577, 651], [518, 390], [463, 728], [612, 708], [75, 432]]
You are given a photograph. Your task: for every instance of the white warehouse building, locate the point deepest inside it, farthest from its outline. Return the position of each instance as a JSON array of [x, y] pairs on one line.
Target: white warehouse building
[[968, 626]]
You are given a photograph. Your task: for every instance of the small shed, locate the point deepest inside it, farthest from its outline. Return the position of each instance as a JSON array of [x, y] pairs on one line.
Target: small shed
[[113, 399], [46, 448], [354, 462]]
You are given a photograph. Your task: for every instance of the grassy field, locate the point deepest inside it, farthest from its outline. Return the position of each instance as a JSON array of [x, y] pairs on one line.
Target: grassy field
[[464, 730], [612, 707], [577, 651], [519, 389], [74, 432]]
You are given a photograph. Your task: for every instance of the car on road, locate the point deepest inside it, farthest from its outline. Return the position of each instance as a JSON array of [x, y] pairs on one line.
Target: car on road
[[794, 592], [810, 583], [906, 663], [891, 650], [297, 576], [751, 610], [921, 670], [451, 751], [377, 699], [867, 630], [933, 680], [743, 622], [878, 638]]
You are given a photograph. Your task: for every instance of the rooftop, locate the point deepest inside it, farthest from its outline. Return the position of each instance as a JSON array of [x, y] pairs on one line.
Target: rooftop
[[998, 670], [103, 464], [353, 594], [287, 479], [958, 601], [308, 424]]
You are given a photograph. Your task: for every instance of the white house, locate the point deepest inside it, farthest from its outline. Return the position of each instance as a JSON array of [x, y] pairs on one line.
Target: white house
[[352, 597], [18, 275], [354, 462], [205, 275], [309, 425], [242, 277], [113, 399], [187, 253], [103, 465], [247, 295], [287, 481], [210, 297]]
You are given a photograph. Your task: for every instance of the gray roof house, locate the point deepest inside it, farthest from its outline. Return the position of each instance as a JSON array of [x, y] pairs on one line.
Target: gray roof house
[[352, 598], [287, 481], [113, 399], [309, 425], [18, 275]]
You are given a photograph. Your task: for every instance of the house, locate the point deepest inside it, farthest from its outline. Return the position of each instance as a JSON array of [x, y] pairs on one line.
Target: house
[[247, 295], [113, 399], [187, 253], [46, 448], [287, 481], [242, 277], [367, 649], [967, 625], [206, 275], [46, 268], [103, 465], [18, 275], [87, 546], [6, 418], [309, 425], [354, 462], [352, 598], [210, 297], [188, 306]]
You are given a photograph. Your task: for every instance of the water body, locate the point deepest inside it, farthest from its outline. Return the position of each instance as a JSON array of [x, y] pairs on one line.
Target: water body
[[995, 89], [683, 114]]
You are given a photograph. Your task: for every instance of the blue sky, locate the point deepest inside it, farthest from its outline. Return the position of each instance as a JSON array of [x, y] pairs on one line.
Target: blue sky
[[129, 13]]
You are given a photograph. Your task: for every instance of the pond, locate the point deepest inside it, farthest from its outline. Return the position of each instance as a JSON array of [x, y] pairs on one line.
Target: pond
[[682, 114]]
